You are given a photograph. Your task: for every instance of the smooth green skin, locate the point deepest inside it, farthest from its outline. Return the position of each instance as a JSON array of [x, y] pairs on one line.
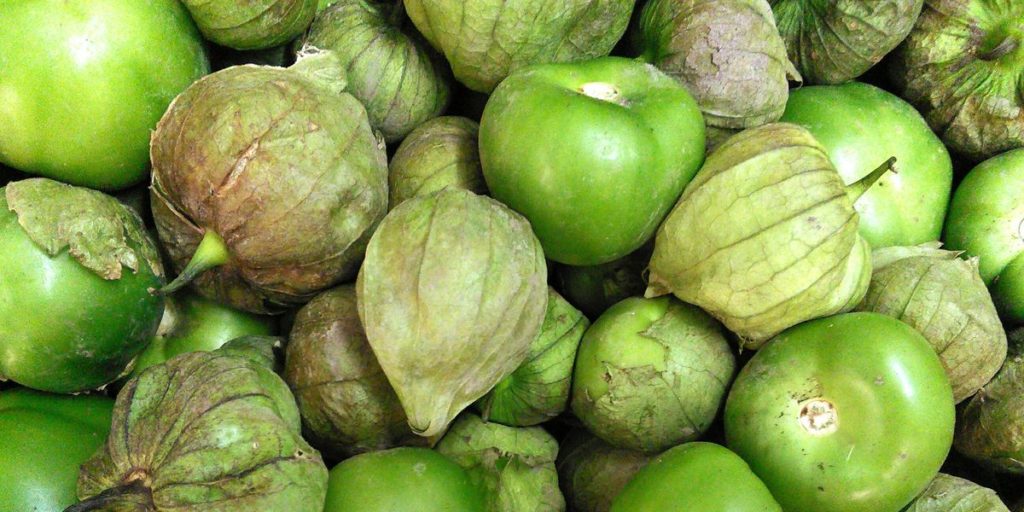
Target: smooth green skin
[[201, 324], [895, 414], [82, 84], [986, 219], [401, 480], [594, 178], [45, 439], [62, 327], [696, 476], [861, 126]]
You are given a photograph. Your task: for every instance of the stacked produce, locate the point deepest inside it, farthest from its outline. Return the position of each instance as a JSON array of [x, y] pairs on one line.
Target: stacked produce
[[511, 255]]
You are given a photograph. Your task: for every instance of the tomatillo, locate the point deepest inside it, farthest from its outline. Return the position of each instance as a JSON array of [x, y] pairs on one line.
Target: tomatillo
[[83, 83], [78, 275], [593, 153], [401, 480], [45, 439], [986, 219], [861, 125], [696, 477], [845, 413], [192, 323]]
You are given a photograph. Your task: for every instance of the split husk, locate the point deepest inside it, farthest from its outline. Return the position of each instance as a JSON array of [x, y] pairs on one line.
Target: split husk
[[452, 292], [267, 183]]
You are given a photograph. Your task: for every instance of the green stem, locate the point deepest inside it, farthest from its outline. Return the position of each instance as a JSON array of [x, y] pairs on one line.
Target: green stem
[[130, 497], [212, 252], [1004, 48], [861, 186]]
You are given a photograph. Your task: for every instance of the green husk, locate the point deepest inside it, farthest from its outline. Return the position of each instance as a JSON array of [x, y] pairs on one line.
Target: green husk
[[947, 493], [514, 466], [485, 40], [538, 390], [390, 69], [765, 236], [253, 24], [592, 472], [837, 41], [206, 431], [452, 293], [439, 153], [944, 298]]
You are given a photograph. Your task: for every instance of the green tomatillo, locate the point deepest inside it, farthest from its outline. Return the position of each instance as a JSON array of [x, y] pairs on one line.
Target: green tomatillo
[[594, 154], [949, 493], [83, 83], [45, 439], [861, 125], [696, 476], [439, 153], [252, 24], [192, 323], [986, 219], [592, 472], [78, 281], [847, 413]]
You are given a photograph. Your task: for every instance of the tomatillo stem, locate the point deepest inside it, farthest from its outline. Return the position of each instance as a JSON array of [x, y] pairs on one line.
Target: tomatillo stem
[[1007, 46], [861, 186], [212, 252]]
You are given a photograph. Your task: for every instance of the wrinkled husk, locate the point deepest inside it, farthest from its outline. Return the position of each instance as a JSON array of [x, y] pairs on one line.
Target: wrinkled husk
[[727, 53], [597, 288], [252, 24], [633, 412], [205, 432], [764, 237], [539, 389], [990, 429], [266, 351], [439, 153], [485, 40], [514, 466], [347, 404], [592, 472], [283, 167], [961, 67], [393, 72], [452, 292], [833, 42], [944, 298], [948, 493]]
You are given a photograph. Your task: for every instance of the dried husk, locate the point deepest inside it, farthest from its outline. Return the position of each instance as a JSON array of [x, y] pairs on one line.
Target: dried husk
[[765, 236], [439, 153], [283, 167], [485, 40], [651, 405], [961, 67], [514, 466], [947, 493], [837, 41], [593, 472], [539, 389], [253, 24], [400, 80], [346, 402], [204, 432], [452, 293], [990, 428], [944, 298], [728, 54]]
